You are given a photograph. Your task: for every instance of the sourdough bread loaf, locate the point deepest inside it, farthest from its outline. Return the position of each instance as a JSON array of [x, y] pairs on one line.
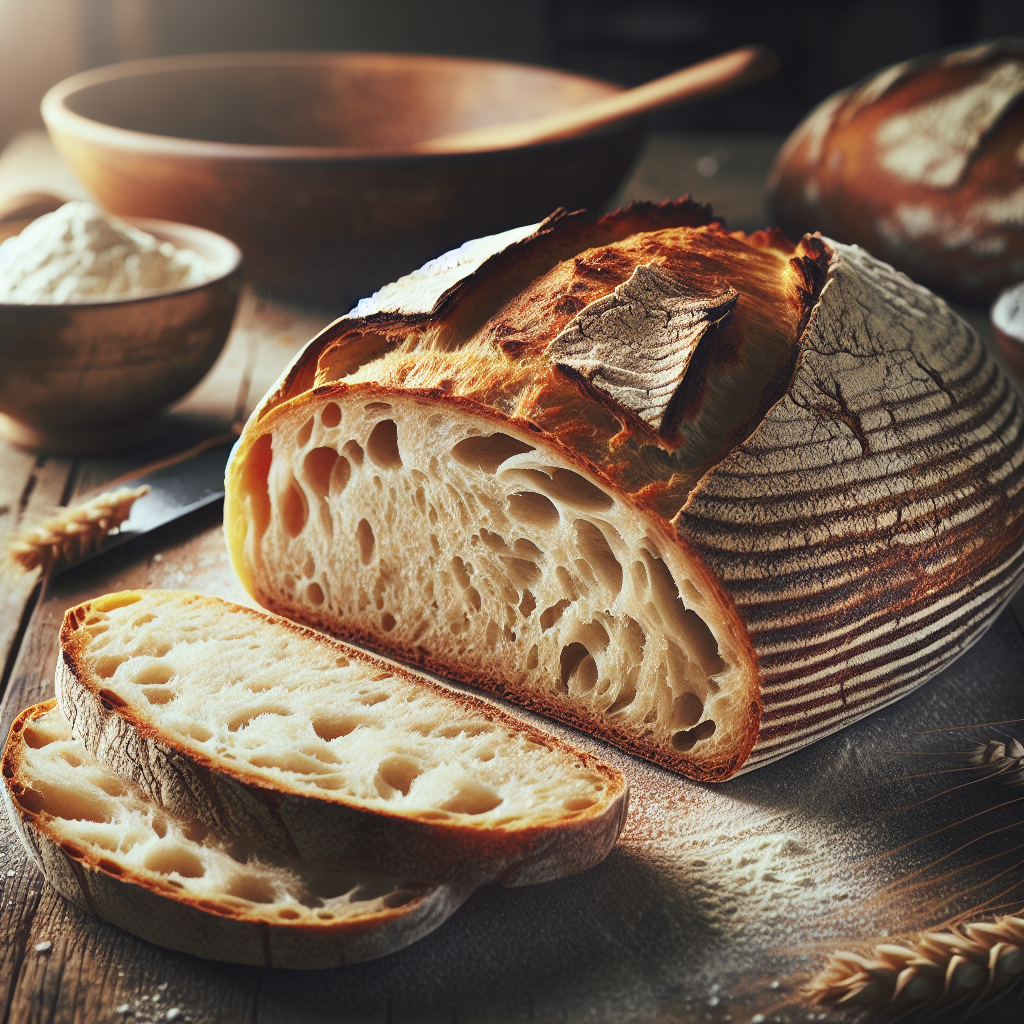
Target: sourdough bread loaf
[[256, 727], [923, 165], [708, 496], [104, 845]]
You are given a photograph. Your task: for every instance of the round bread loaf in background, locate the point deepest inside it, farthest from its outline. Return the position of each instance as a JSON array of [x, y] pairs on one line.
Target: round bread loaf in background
[[923, 165]]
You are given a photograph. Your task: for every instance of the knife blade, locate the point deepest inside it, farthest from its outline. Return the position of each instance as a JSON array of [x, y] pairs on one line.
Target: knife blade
[[178, 486]]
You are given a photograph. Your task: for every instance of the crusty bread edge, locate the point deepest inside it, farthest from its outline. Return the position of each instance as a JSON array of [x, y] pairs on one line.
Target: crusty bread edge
[[410, 845], [715, 769], [175, 920]]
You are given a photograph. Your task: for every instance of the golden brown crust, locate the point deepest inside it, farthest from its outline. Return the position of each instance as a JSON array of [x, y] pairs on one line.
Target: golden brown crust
[[407, 844]]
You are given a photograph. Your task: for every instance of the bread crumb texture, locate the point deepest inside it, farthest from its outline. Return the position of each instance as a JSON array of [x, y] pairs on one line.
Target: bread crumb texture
[[104, 844], [299, 714]]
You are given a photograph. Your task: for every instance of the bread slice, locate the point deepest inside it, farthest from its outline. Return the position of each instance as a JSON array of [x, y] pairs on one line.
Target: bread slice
[[708, 496], [256, 726], [104, 845]]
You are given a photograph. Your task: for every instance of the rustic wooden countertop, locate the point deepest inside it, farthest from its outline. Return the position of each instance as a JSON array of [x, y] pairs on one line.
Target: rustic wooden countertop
[[717, 904]]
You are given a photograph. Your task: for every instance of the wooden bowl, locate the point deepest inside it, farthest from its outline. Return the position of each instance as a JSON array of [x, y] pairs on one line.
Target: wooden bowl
[[303, 158], [92, 376]]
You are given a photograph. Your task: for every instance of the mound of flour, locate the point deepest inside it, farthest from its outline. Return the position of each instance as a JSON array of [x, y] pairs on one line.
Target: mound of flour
[[80, 252]]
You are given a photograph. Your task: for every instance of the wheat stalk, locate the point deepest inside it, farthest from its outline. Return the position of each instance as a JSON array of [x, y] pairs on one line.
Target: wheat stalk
[[935, 969], [74, 532]]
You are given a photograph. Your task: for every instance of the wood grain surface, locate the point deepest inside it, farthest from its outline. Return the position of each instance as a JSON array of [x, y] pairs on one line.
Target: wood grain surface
[[717, 905]]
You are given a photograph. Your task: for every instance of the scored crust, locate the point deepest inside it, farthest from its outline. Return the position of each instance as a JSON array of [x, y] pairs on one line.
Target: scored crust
[[101, 843], [707, 496], [255, 726]]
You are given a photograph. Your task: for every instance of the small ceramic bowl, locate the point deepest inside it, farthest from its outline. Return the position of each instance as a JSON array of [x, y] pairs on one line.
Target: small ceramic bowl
[[93, 376], [1008, 324]]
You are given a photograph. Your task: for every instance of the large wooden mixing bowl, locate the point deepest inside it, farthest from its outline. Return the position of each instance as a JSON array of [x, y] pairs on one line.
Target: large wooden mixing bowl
[[304, 159]]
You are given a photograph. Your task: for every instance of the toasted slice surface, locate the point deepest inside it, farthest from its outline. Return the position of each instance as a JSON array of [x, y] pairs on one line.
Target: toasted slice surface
[[104, 845], [250, 723]]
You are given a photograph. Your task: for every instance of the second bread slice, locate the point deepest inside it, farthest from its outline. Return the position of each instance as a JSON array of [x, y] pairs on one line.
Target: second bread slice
[[262, 728]]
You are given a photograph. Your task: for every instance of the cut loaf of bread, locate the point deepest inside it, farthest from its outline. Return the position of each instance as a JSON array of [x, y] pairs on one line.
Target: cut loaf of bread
[[104, 845], [708, 496], [256, 726]]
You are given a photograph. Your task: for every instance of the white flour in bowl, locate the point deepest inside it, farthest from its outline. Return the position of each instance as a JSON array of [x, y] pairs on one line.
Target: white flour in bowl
[[79, 252]]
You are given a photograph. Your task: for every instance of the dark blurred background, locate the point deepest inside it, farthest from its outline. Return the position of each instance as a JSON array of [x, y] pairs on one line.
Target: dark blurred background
[[823, 45]]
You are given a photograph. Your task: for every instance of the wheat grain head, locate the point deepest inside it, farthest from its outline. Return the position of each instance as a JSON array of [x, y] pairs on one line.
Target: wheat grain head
[[73, 532]]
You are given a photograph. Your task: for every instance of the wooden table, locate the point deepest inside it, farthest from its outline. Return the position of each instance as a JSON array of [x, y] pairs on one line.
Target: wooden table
[[718, 902]]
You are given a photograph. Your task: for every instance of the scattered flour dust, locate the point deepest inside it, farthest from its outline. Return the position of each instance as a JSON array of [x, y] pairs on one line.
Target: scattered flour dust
[[79, 252]]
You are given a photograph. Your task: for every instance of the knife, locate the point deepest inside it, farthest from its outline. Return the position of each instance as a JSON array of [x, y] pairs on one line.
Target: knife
[[178, 485]]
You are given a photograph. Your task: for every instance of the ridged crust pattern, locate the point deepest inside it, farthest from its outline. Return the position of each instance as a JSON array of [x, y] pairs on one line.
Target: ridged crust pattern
[[853, 523]]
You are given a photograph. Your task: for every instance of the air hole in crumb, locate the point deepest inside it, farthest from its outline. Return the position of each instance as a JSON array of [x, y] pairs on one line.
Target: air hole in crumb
[[579, 803], [570, 658], [473, 798], [253, 890], [399, 898], [698, 639], [294, 509], [397, 775], [460, 572], [354, 451], [597, 551], [331, 415], [387, 622], [105, 667], [551, 615], [370, 700], [687, 710], [366, 541], [527, 604], [488, 452], [473, 596], [326, 471], [533, 509], [382, 445], [243, 718], [154, 675], [198, 732], [288, 914], [169, 859], [570, 488], [304, 433], [329, 727], [158, 695], [315, 593], [685, 740], [624, 698]]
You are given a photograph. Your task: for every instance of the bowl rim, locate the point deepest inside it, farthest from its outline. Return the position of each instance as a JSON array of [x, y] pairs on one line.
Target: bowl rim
[[157, 227], [58, 117]]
